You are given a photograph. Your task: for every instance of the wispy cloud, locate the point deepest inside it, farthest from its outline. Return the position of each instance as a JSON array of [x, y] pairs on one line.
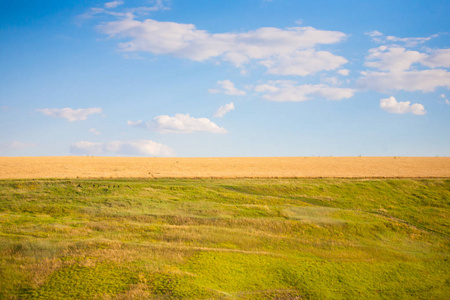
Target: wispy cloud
[[228, 88], [178, 124], [411, 41], [224, 109], [144, 10], [91, 13], [69, 113], [126, 148], [94, 131], [17, 145], [442, 96], [110, 8], [407, 42], [423, 80], [391, 105], [290, 91], [113, 4], [374, 33]]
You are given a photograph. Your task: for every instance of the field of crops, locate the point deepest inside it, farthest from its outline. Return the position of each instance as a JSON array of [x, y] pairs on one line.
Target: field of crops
[[231, 167], [224, 238]]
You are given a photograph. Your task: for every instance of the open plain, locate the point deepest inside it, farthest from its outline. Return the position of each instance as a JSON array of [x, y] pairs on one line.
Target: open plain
[[233, 167], [149, 237]]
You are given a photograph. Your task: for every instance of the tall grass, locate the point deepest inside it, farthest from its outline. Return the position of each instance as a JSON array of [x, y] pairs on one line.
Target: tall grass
[[224, 239]]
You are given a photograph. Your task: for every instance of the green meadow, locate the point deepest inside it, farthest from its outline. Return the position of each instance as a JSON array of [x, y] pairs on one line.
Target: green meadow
[[225, 239]]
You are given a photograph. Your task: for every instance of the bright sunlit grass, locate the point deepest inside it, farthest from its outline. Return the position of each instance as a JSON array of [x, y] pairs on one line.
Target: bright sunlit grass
[[224, 238]]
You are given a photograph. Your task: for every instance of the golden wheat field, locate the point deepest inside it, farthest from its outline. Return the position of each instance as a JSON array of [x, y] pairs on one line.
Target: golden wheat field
[[234, 167]]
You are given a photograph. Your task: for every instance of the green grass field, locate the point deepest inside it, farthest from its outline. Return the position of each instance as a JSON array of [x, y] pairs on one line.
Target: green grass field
[[225, 239]]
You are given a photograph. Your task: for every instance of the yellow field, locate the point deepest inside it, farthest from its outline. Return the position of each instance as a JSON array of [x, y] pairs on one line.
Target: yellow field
[[235, 167]]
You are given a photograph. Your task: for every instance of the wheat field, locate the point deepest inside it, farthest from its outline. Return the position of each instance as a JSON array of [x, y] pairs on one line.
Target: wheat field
[[234, 167]]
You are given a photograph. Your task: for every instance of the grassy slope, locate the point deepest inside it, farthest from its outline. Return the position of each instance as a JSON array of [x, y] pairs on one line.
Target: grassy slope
[[241, 238]]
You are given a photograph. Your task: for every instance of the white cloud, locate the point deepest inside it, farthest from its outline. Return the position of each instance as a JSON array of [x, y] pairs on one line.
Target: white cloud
[[396, 59], [424, 80], [69, 113], [94, 131], [113, 4], [289, 91], [393, 59], [227, 87], [269, 87], [303, 63], [178, 124], [126, 148], [437, 58], [343, 72], [139, 147], [391, 105], [264, 44], [406, 69], [224, 109]]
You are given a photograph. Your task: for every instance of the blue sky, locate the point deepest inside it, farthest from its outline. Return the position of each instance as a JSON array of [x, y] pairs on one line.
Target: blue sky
[[224, 78]]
